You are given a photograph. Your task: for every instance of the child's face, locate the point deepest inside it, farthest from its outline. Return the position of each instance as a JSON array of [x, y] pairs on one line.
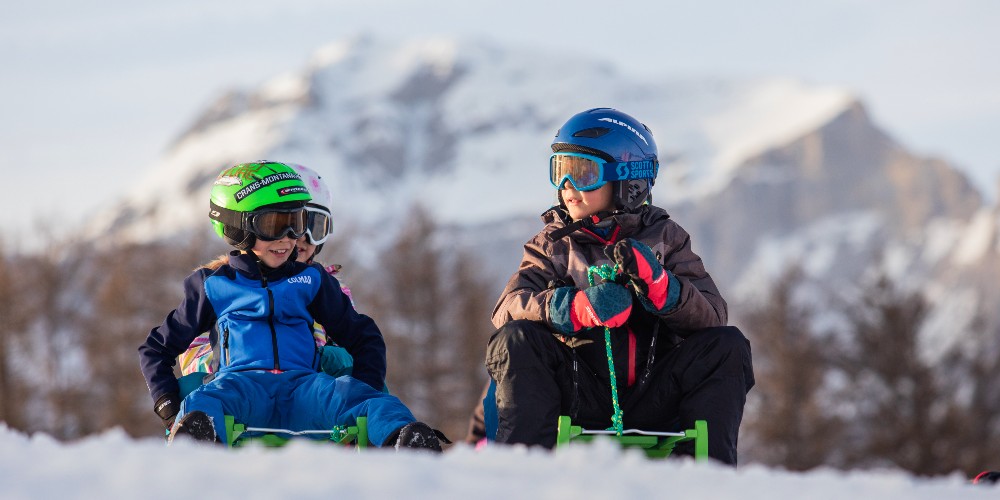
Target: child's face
[[306, 250], [581, 204], [274, 253]]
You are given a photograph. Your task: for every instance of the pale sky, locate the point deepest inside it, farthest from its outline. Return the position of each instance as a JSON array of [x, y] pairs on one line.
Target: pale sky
[[93, 92]]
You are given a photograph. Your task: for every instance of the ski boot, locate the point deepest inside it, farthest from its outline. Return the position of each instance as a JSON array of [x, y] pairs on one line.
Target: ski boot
[[417, 435], [196, 425]]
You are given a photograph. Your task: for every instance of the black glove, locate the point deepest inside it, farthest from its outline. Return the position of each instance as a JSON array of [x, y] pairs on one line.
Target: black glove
[[658, 290], [167, 407]]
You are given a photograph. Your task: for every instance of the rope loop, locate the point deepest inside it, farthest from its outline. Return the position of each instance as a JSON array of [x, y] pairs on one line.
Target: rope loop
[[608, 272]]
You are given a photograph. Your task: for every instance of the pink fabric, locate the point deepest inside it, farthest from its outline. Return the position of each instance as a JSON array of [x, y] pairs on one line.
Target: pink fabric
[[657, 288]]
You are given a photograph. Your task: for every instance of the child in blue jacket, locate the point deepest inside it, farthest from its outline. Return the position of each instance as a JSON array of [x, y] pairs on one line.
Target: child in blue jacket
[[200, 361], [263, 304]]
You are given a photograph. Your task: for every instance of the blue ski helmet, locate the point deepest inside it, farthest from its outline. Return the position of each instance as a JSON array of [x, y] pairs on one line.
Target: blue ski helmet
[[620, 140]]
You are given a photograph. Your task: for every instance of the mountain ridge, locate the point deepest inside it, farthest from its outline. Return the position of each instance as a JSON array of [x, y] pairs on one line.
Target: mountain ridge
[[433, 119]]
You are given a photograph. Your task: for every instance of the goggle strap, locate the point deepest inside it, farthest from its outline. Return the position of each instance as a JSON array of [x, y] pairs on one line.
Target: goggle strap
[[626, 171], [610, 173], [225, 215]]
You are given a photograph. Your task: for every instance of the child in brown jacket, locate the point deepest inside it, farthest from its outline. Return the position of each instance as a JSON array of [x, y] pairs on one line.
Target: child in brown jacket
[[607, 258]]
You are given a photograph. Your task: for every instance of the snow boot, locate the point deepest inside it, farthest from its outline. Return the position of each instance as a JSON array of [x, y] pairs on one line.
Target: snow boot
[[196, 425], [418, 435]]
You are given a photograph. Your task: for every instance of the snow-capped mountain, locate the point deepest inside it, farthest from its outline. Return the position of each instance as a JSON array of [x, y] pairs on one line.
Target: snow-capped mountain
[[762, 172], [842, 187], [462, 127]]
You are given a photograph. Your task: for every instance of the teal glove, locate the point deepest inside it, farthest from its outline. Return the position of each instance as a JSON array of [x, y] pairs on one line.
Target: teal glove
[[572, 309], [334, 360]]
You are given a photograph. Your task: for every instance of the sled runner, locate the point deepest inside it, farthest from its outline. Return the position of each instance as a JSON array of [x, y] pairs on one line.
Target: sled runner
[[239, 435], [654, 444]]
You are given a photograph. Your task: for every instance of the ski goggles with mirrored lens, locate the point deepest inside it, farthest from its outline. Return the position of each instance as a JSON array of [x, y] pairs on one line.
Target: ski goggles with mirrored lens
[[584, 172], [271, 225], [587, 172], [318, 225]]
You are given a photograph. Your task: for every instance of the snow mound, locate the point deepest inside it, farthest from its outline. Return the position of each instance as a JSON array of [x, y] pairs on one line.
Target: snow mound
[[113, 465]]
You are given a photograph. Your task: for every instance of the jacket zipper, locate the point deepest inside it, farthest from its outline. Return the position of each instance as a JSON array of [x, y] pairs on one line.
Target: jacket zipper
[[225, 343], [270, 322]]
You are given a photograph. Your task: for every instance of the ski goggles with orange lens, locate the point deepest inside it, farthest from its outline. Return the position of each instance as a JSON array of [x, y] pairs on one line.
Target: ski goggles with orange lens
[[587, 172], [584, 172], [272, 224], [318, 225]]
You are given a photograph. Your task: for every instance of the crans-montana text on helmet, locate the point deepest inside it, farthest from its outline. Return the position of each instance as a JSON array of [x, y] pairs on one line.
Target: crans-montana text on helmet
[[248, 187]]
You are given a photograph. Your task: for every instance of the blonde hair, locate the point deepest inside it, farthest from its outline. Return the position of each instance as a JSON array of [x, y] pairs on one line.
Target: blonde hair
[[215, 263]]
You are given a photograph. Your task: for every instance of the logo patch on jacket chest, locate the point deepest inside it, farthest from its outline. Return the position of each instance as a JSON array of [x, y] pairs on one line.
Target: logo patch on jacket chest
[[306, 280]]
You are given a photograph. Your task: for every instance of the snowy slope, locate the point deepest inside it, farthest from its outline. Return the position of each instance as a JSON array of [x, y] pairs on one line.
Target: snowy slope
[[112, 465]]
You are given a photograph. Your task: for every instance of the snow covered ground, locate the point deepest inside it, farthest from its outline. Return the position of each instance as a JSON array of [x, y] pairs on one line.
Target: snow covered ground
[[112, 465]]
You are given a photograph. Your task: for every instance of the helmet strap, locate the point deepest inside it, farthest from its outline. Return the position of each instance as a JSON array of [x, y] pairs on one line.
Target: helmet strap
[[224, 215]]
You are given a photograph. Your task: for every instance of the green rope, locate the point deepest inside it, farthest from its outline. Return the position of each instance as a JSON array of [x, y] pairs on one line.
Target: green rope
[[609, 273], [605, 271]]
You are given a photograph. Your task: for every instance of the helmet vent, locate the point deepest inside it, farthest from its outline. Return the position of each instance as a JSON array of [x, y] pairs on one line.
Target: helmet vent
[[592, 133], [560, 147]]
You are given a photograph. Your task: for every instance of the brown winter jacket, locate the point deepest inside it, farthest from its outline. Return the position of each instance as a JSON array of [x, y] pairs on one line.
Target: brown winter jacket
[[549, 264]]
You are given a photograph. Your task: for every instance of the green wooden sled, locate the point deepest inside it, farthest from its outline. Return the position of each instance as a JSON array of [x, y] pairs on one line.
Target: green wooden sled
[[239, 435], [655, 444]]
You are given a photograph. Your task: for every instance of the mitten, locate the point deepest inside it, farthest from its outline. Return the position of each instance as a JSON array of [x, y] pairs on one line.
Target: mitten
[[572, 309], [336, 361], [166, 407], [658, 289]]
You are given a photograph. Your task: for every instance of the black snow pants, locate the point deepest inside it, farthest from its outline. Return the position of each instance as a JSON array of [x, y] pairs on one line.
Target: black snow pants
[[704, 377]]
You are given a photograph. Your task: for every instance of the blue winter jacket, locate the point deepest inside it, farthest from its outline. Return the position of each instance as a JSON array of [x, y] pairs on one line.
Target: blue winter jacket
[[265, 322]]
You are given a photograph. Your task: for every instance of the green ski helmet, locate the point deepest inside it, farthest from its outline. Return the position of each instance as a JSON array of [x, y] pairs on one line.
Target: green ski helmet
[[262, 199]]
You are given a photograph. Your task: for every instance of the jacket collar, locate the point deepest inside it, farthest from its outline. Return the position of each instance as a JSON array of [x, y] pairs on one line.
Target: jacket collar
[[249, 265], [630, 222]]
